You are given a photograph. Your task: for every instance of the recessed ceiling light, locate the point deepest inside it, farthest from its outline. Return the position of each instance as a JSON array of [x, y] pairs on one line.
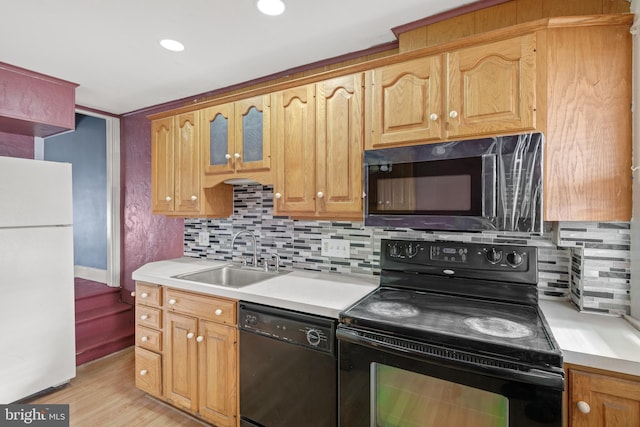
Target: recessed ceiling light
[[172, 45], [271, 7]]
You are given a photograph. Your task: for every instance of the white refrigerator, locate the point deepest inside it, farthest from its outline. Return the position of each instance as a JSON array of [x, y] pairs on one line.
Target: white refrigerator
[[37, 326]]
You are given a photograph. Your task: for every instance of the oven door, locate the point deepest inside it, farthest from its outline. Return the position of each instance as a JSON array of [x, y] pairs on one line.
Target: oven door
[[390, 385]]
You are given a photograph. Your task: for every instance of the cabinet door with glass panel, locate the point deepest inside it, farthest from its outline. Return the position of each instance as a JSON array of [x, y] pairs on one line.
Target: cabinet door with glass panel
[[236, 135]]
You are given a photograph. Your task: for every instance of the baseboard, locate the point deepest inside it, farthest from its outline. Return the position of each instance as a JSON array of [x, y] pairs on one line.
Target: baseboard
[[88, 273]]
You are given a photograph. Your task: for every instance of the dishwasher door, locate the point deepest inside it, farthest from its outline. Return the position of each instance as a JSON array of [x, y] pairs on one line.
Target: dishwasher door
[[284, 384]]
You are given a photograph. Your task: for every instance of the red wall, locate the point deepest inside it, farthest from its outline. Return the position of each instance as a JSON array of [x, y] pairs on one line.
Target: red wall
[[12, 145], [145, 237]]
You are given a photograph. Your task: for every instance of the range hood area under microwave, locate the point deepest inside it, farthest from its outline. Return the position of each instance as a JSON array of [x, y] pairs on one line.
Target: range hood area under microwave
[[474, 185]]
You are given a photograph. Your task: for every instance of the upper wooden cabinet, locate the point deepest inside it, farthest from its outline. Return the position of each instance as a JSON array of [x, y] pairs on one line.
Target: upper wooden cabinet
[[236, 140], [568, 78], [294, 112], [483, 90], [339, 145], [404, 103], [319, 142], [491, 88], [586, 85], [176, 174]]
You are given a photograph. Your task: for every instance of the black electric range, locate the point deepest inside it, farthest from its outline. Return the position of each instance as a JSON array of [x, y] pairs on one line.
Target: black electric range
[[448, 308]]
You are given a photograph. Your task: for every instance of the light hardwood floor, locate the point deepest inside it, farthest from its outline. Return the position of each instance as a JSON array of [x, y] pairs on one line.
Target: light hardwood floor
[[103, 393]]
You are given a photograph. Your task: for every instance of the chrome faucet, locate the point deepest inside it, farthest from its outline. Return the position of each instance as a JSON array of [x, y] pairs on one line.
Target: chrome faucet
[[255, 246]]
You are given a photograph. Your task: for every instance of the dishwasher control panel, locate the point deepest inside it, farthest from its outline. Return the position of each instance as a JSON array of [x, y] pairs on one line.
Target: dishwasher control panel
[[297, 328]]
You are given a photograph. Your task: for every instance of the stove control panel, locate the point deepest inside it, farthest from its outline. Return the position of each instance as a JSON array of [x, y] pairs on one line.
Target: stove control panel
[[458, 258]]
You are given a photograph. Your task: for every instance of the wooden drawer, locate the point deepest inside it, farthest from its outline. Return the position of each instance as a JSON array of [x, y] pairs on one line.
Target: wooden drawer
[[202, 306], [149, 338], [148, 294], [148, 316], [148, 371]]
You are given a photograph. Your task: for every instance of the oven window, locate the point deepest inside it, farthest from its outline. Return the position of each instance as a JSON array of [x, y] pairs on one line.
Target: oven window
[[408, 399]]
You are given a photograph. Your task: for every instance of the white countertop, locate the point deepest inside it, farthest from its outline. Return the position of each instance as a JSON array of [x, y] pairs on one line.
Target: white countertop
[[598, 341], [594, 340], [323, 294]]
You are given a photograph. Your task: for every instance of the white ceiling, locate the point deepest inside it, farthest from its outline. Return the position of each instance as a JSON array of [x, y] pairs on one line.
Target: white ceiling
[[110, 47]]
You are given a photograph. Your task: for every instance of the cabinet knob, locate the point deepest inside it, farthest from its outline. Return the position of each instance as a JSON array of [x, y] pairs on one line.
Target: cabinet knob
[[143, 372], [227, 156], [453, 114], [433, 117], [168, 198], [190, 335], [194, 198], [320, 195], [133, 293], [364, 194], [200, 338], [144, 339], [218, 312], [144, 317], [172, 301], [237, 155], [278, 195], [144, 295], [584, 407]]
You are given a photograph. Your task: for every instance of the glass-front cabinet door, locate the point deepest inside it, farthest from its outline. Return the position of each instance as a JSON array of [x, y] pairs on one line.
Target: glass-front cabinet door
[[218, 139], [252, 121], [236, 136]]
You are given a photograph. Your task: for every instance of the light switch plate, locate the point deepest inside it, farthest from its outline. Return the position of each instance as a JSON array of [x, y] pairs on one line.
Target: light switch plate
[[203, 238], [338, 248]]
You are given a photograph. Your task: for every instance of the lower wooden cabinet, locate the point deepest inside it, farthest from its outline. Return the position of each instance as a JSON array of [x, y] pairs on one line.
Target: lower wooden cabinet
[[602, 399], [195, 367]]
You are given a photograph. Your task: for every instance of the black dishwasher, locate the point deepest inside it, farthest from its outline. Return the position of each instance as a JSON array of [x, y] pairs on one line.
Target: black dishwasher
[[288, 368]]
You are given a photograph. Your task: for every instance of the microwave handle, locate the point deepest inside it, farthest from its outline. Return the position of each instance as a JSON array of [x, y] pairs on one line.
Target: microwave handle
[[489, 185]]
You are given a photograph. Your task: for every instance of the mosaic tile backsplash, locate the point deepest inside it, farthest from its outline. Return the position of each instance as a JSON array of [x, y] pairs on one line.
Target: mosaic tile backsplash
[[298, 243]]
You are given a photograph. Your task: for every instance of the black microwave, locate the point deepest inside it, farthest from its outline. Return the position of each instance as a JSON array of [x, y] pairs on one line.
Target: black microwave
[[473, 185]]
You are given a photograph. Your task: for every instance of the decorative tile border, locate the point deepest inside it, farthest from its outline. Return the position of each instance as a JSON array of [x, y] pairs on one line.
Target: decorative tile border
[[585, 262]]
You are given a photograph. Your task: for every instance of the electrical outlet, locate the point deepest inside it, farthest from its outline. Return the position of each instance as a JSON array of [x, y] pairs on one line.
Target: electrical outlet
[[203, 238], [338, 248]]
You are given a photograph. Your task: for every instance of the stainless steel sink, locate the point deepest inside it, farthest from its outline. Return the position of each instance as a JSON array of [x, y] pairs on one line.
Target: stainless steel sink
[[234, 277]]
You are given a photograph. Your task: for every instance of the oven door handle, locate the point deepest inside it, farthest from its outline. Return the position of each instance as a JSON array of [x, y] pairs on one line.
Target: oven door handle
[[533, 376]]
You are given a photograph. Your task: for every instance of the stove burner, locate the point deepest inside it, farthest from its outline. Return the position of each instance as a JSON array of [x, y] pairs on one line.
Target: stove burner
[[498, 327], [392, 309]]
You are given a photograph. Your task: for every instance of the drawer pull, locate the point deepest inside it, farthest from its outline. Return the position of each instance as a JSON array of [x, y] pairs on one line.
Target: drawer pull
[[144, 339], [133, 293], [200, 338], [584, 407], [172, 301], [144, 295], [190, 335], [144, 317], [143, 372], [218, 312]]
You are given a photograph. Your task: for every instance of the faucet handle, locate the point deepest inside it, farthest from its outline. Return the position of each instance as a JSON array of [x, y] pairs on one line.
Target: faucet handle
[[277, 258]]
